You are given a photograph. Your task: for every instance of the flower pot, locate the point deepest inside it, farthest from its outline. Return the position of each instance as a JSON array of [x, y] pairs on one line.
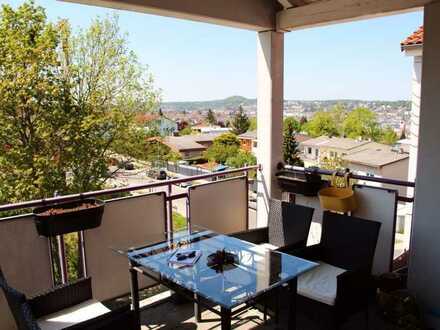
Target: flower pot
[[338, 199], [307, 184], [68, 217]]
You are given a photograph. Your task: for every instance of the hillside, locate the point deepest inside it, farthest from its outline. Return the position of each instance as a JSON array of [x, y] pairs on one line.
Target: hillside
[[229, 103], [233, 102]]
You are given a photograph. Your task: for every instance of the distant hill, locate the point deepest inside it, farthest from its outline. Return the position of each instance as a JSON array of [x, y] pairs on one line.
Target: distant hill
[[229, 103], [233, 102]]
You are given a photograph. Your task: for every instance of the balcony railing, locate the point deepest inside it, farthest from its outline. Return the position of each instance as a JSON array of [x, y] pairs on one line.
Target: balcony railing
[[32, 263]]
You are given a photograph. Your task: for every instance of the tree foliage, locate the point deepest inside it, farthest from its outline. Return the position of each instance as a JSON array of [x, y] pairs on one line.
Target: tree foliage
[[292, 123], [253, 124], [322, 123], [223, 147], [240, 122], [389, 136], [210, 117], [241, 159], [290, 145], [186, 131], [362, 123], [67, 100]]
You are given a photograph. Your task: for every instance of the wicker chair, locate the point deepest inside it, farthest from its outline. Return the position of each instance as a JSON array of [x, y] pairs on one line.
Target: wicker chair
[[288, 227], [342, 284], [66, 307]]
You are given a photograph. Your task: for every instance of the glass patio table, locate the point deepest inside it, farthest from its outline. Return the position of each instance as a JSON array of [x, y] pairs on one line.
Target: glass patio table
[[253, 271]]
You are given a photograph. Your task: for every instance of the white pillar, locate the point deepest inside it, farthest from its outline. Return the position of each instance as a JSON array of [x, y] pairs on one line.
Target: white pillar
[[413, 133], [424, 266], [270, 100], [415, 115]]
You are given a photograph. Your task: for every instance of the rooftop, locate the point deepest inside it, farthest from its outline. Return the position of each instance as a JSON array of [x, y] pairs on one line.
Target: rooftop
[[376, 155], [249, 135], [335, 142], [414, 39], [190, 142]]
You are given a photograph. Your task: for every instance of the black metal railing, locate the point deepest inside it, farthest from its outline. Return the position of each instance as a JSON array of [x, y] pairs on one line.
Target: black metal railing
[[353, 176]]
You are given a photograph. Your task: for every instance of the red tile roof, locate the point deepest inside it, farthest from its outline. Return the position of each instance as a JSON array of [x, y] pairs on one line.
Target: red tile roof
[[414, 39]]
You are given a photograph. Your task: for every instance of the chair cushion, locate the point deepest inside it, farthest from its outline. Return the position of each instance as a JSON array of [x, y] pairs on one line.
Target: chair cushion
[[73, 315], [268, 246], [320, 283]]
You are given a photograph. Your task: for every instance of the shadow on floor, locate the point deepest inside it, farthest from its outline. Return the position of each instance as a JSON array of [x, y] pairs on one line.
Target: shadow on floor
[[171, 315]]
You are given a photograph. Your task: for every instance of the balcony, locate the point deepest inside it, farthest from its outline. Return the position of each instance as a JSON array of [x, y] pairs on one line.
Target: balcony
[[219, 202]]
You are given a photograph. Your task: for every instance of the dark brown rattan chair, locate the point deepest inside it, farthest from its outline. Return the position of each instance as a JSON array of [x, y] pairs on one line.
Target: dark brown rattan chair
[[342, 284], [35, 313], [288, 227]]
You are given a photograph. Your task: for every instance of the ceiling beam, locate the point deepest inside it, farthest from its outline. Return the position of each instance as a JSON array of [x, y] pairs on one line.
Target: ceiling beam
[[258, 15], [338, 11]]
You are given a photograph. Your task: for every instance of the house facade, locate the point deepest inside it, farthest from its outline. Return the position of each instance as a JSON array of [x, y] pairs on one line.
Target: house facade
[[190, 146], [157, 121], [248, 141], [314, 150]]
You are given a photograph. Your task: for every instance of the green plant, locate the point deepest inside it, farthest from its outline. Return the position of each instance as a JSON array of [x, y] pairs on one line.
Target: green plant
[[223, 147], [290, 146], [179, 221], [210, 117], [241, 158], [67, 101], [240, 122]]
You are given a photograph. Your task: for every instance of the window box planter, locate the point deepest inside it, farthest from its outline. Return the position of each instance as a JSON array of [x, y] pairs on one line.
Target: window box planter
[[68, 217], [307, 184]]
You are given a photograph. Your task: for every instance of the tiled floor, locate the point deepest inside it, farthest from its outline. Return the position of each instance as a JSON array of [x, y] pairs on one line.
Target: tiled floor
[[169, 315]]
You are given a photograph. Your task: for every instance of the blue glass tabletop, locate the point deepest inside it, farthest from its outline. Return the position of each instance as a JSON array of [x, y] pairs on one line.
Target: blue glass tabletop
[[249, 271]]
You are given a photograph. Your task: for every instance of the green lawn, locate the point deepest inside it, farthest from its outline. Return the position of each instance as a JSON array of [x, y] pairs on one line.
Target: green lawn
[[179, 221]]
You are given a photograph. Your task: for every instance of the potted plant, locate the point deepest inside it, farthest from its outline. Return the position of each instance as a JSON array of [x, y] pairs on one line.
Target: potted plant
[[68, 217], [307, 183]]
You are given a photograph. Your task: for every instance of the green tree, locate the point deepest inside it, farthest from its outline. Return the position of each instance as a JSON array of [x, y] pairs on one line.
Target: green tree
[[292, 123], [241, 159], [186, 131], [67, 100], [388, 136], [322, 123], [210, 117], [290, 145], [303, 122], [253, 124], [339, 114], [30, 108], [240, 122], [362, 123], [223, 147]]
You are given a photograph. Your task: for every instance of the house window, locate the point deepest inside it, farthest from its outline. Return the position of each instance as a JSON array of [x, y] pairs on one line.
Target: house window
[[309, 150], [255, 144], [317, 153]]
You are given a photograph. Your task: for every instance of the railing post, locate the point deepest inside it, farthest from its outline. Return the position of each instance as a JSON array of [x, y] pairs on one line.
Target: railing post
[[170, 209], [62, 259], [82, 252]]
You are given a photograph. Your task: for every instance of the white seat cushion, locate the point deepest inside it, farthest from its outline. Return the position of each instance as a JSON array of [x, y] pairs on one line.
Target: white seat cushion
[[268, 246], [72, 315], [320, 283]]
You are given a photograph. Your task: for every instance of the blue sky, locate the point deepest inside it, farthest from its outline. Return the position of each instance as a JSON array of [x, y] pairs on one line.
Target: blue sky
[[197, 61]]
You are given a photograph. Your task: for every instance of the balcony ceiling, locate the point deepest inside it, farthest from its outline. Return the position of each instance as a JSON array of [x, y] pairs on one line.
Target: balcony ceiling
[[263, 15]]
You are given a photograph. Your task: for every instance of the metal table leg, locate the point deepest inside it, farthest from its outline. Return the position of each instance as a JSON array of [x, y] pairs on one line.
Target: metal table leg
[[292, 287], [226, 318], [197, 311], [134, 286]]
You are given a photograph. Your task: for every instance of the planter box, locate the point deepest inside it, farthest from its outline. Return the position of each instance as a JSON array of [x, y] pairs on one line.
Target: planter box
[[68, 217], [308, 184]]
